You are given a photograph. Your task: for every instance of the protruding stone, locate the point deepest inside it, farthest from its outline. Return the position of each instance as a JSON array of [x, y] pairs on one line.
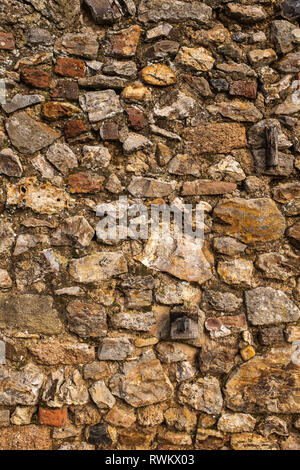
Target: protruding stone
[[10, 164], [100, 104], [124, 43], [62, 157], [197, 58], [20, 387]]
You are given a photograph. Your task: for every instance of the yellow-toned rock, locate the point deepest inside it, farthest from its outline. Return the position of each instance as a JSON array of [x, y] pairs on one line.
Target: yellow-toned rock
[[196, 58], [158, 74], [247, 353], [136, 92]]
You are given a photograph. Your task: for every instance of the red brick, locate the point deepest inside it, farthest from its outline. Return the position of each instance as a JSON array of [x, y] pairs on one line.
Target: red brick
[[36, 78], [7, 41], [245, 88], [70, 67], [56, 417], [65, 89], [74, 128]]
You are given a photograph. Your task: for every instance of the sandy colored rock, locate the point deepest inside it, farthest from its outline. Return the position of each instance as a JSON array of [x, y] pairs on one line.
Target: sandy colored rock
[[34, 313], [31, 437], [215, 138], [53, 352], [98, 267]]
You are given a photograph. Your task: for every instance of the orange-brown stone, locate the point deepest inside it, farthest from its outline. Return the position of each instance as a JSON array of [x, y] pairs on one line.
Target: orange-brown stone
[[7, 41], [158, 74], [56, 110], [124, 43], [56, 417], [70, 67], [221, 137], [85, 182], [36, 78]]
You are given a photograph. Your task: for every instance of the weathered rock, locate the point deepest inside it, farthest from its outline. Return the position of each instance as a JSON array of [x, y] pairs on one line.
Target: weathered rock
[[20, 387], [220, 327], [22, 415], [228, 246], [135, 142], [174, 11], [74, 230], [286, 192], [202, 186], [236, 422], [101, 395], [98, 267], [215, 138], [175, 352], [182, 258], [289, 63], [53, 352], [65, 89], [28, 135], [114, 349], [217, 358], [95, 157], [265, 384], [142, 382], [53, 110], [85, 182], [197, 59], [178, 110], [237, 111], [10, 164], [103, 11], [237, 271], [121, 416], [294, 234], [227, 169], [70, 67], [223, 301], [138, 321], [80, 45], [62, 157], [31, 437], [251, 221], [21, 101], [36, 78], [65, 386], [203, 395], [246, 13], [43, 198], [277, 266], [159, 75], [266, 305], [29, 312], [124, 43], [281, 35], [148, 187], [251, 441], [7, 41], [100, 104]]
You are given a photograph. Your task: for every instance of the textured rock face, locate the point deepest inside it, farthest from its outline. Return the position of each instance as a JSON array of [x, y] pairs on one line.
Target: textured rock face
[[142, 382], [265, 384], [143, 340], [29, 312], [251, 221]]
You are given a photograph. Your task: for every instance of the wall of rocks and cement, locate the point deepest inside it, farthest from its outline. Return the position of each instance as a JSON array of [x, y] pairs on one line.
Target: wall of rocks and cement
[[162, 101]]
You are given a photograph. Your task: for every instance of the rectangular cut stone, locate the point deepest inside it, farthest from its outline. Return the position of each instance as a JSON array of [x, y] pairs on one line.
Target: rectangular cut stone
[[219, 137], [25, 438]]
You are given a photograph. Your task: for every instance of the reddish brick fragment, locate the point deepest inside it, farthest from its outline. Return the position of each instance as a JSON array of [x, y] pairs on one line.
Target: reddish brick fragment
[[7, 41], [245, 88], [109, 131], [85, 182], [136, 118], [68, 67], [56, 417], [74, 128], [65, 89], [36, 78]]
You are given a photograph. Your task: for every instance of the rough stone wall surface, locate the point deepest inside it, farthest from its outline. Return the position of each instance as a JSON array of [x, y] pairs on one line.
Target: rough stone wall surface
[[160, 101]]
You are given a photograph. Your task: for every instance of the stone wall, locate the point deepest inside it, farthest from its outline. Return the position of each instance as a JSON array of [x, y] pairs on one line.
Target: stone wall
[[163, 101]]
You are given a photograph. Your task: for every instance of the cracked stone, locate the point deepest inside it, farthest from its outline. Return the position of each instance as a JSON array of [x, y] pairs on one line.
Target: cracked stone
[[100, 104], [20, 387], [98, 267], [203, 395]]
